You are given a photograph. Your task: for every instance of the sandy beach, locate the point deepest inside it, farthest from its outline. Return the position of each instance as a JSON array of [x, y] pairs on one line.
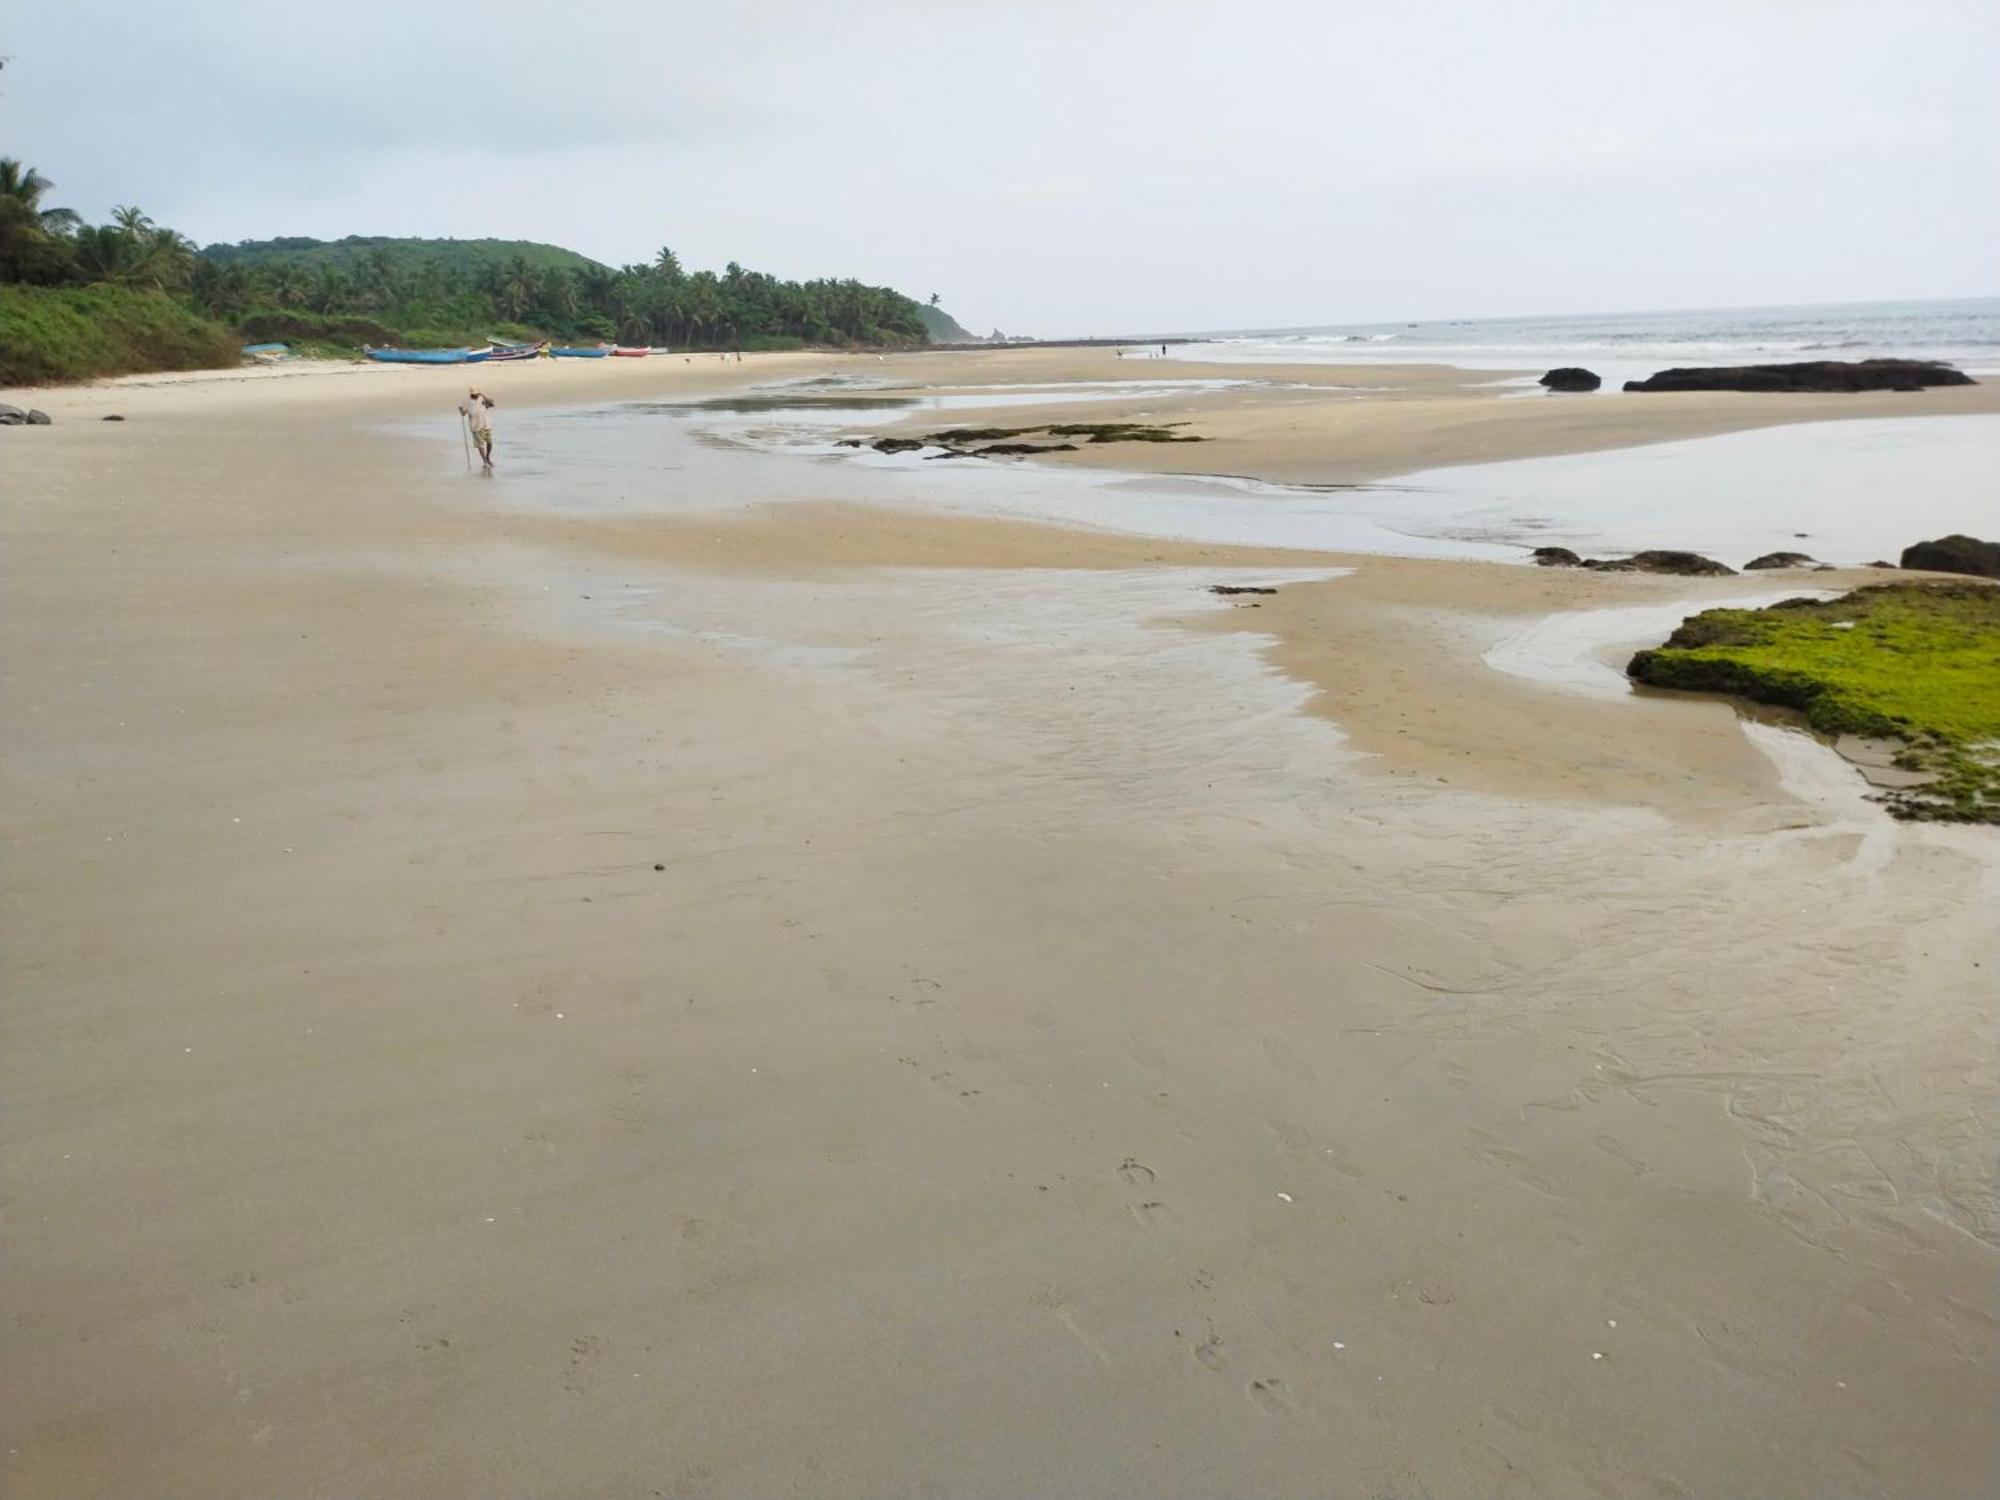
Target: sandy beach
[[754, 991]]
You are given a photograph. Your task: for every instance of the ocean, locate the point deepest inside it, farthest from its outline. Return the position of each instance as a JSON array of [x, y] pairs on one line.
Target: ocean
[[1624, 346]]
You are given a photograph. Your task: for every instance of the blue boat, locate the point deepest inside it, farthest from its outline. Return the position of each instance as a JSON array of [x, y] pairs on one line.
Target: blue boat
[[593, 351], [428, 356]]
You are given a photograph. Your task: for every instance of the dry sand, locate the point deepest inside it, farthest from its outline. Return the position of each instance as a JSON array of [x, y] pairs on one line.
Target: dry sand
[[827, 1001]]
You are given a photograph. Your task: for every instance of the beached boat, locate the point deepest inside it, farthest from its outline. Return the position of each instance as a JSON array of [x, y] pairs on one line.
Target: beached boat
[[587, 351], [632, 353], [502, 352], [429, 356]]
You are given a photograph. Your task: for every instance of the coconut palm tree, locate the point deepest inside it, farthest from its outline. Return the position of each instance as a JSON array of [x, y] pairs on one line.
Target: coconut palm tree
[[169, 258], [289, 286], [104, 252], [25, 187]]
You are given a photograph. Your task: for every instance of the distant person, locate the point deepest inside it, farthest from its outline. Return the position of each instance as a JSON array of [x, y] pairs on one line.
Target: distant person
[[1163, 351], [473, 409]]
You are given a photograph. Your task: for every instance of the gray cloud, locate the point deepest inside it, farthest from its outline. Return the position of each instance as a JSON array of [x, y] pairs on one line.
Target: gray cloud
[[1073, 167]]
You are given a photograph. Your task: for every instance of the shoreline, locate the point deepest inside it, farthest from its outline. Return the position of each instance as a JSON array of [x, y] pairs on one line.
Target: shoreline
[[1321, 424]]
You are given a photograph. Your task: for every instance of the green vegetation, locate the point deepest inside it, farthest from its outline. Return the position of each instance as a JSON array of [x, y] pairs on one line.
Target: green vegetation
[[50, 334], [456, 296], [355, 252], [337, 295], [1913, 662], [941, 326]]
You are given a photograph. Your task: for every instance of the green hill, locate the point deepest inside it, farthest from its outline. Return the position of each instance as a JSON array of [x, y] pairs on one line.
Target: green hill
[[355, 250], [940, 327]]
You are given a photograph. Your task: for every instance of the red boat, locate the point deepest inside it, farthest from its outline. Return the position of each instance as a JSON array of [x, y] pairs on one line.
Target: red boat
[[624, 353]]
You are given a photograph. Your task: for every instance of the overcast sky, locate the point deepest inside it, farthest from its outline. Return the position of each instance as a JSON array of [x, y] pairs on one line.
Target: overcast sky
[[1074, 167]]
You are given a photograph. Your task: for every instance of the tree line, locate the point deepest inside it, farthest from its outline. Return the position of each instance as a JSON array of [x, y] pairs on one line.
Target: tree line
[[403, 295], [656, 303], [48, 246]]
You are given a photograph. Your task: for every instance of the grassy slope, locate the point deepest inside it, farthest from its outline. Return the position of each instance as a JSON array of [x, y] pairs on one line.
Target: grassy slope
[[355, 249], [49, 334], [1915, 662], [940, 327]]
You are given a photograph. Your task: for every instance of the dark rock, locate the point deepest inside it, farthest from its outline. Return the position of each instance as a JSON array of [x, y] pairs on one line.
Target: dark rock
[[114, 417], [1878, 563], [37, 418], [1690, 564], [842, 443], [12, 416], [1780, 560], [1812, 375], [1008, 450], [1557, 557], [1571, 378], [896, 445], [1955, 554], [1237, 588]]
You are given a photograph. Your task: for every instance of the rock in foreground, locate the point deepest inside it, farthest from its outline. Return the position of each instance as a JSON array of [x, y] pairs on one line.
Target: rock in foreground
[[1571, 378], [1780, 560], [1813, 375], [1956, 554]]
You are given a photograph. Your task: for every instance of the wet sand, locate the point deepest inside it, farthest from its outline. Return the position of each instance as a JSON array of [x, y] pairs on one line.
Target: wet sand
[[813, 998]]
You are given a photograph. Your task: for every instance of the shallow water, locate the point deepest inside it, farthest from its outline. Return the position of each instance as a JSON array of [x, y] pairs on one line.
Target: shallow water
[[1843, 492], [1584, 650]]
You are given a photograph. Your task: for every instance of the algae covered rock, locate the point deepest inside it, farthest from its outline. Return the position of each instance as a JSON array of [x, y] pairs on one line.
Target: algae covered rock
[[1914, 663]]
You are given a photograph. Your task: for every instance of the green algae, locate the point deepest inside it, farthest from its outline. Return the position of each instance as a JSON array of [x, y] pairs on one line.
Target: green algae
[[1914, 662]]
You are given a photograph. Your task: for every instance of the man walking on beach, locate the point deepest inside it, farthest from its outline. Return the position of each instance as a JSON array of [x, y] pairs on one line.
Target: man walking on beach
[[474, 408]]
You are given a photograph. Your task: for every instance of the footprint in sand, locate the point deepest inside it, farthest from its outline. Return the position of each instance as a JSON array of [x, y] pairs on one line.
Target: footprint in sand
[[947, 1083], [1136, 1173], [1270, 1394], [1208, 1353], [1152, 1213], [585, 1352]]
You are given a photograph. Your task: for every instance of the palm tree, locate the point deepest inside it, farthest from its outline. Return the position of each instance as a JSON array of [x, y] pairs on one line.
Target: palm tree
[[288, 285], [131, 221], [104, 252], [169, 257], [330, 288], [515, 294], [25, 186]]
